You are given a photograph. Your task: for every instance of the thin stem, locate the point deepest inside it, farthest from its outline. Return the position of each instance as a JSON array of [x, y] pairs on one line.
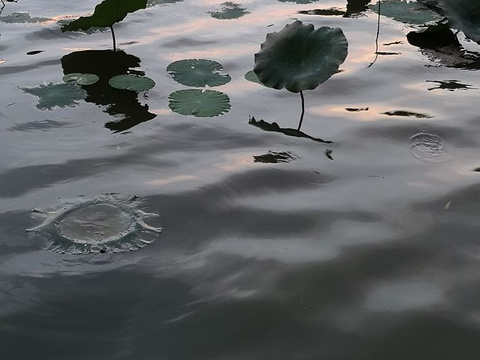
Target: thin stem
[[113, 37], [377, 36], [303, 111]]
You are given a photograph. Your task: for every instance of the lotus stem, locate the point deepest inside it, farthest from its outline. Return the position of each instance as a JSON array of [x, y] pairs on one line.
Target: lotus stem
[[303, 111], [114, 41]]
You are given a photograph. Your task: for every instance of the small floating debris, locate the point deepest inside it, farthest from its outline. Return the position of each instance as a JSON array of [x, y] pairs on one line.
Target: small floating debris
[[34, 52], [428, 147], [108, 223], [407, 114], [356, 109]]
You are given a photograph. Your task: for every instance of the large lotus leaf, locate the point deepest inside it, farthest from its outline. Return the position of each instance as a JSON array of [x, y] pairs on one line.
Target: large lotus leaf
[[201, 103], [464, 15], [106, 14], [198, 72], [21, 17], [229, 11], [299, 57], [409, 12], [61, 95], [81, 79], [131, 82]]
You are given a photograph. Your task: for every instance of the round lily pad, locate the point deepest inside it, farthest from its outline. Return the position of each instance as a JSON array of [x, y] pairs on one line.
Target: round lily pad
[[299, 57], [131, 82], [201, 103], [198, 72], [81, 79]]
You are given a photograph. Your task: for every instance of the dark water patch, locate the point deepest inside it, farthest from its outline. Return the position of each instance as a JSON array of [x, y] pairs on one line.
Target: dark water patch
[[407, 114], [40, 125], [188, 42], [393, 43], [12, 231], [450, 85], [273, 157], [428, 147], [323, 12], [435, 37], [5, 70], [35, 52], [121, 104], [387, 53], [357, 109], [21, 17]]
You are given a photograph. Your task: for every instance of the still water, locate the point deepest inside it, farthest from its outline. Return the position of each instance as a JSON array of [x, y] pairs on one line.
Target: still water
[[272, 246]]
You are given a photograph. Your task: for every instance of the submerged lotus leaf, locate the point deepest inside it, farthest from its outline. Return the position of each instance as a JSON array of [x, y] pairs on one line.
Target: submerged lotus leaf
[[151, 3], [81, 79], [464, 15], [198, 72], [61, 95], [106, 14], [229, 11], [107, 223], [201, 103], [410, 12], [131, 82], [299, 57], [21, 17]]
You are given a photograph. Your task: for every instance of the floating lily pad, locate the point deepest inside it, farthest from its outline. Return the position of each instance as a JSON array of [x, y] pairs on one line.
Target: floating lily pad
[[299, 57], [198, 72], [229, 11], [131, 82], [410, 12], [61, 95], [201, 103], [81, 79], [106, 14], [21, 17]]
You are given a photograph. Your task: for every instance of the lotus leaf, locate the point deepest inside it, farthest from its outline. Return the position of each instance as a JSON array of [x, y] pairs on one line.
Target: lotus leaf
[[251, 76], [198, 72], [21, 17], [201, 103], [81, 79], [131, 82], [106, 14], [464, 15], [229, 11], [299, 57], [410, 12], [61, 95]]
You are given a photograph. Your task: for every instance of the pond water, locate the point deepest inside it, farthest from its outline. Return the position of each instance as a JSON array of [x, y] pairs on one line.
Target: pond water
[[272, 246]]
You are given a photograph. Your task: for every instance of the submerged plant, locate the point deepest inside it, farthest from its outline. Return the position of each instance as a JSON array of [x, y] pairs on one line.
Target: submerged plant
[[60, 95], [106, 14], [229, 11], [107, 223], [300, 58]]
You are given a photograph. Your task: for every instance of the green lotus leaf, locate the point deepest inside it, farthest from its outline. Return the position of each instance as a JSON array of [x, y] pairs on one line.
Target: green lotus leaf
[[201, 103], [21, 17], [464, 15], [409, 12], [131, 82], [106, 14], [61, 95], [229, 11], [300, 58], [251, 76], [81, 79], [198, 72]]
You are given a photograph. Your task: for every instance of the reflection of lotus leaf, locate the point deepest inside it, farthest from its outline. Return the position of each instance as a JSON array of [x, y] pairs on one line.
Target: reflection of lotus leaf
[[21, 17], [300, 58], [201, 103], [106, 14], [198, 72], [131, 82], [464, 15], [61, 95], [81, 79], [410, 12], [105, 224], [229, 11]]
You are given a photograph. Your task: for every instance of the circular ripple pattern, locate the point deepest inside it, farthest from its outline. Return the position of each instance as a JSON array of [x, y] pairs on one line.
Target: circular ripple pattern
[[107, 223], [428, 147]]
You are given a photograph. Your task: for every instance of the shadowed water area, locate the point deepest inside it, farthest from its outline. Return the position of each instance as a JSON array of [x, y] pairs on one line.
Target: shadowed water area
[[352, 237]]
